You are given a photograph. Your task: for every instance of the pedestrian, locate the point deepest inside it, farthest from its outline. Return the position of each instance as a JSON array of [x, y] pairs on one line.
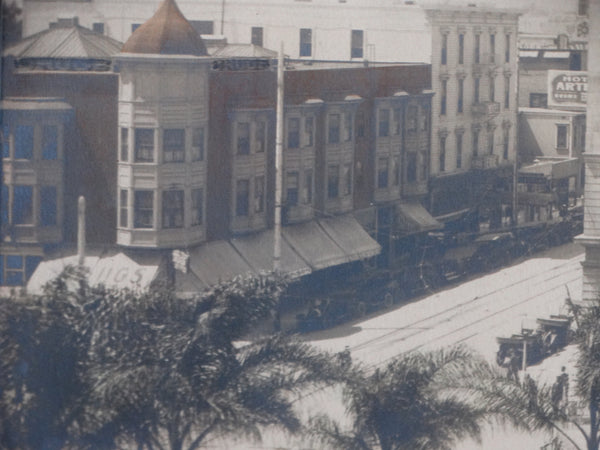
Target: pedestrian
[[556, 394], [513, 365], [345, 358], [564, 382], [532, 390]]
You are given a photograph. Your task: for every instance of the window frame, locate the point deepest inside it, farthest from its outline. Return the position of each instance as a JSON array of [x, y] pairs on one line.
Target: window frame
[[173, 208], [442, 154], [383, 169], [292, 188], [124, 208], [141, 147], [293, 132], [559, 138], [333, 132], [50, 142], [198, 143], [333, 181], [173, 145], [139, 209], [24, 145], [357, 44], [305, 38], [48, 206], [197, 208], [242, 202]]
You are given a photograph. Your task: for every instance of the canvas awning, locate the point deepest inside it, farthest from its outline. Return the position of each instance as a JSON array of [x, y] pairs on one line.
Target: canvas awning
[[351, 237], [412, 217], [216, 261], [257, 251]]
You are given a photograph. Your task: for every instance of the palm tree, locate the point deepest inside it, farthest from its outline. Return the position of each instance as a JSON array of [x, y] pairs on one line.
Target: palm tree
[[408, 404]]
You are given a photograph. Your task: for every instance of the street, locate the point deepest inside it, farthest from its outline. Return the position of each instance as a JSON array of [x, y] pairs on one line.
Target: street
[[473, 313]]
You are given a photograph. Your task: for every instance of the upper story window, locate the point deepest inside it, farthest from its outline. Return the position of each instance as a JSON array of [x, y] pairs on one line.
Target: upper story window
[[293, 137], [333, 127], [308, 186], [348, 127], [305, 42], [411, 117], [492, 48], [360, 124], [425, 118], [396, 171], [442, 154], [477, 49], [475, 142], [309, 130], [24, 142], [384, 122], [491, 142], [197, 206], [48, 206], [347, 179], [242, 193], [144, 145], [356, 46], [22, 210], [174, 145], [260, 133], [15, 270], [5, 141], [444, 55], [444, 97], [476, 82], [507, 48], [505, 143], [257, 36], [49, 142], [243, 138], [461, 48], [333, 181], [397, 121], [459, 150], [172, 209], [198, 144], [492, 89], [537, 100], [562, 133], [259, 194], [123, 208], [202, 26], [411, 167], [461, 94], [124, 144], [507, 92], [382, 172], [292, 186], [143, 209]]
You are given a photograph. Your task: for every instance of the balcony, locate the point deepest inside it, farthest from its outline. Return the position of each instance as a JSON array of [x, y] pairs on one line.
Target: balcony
[[486, 109], [482, 162]]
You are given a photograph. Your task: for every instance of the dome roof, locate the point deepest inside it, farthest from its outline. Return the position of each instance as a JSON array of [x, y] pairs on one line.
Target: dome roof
[[167, 32]]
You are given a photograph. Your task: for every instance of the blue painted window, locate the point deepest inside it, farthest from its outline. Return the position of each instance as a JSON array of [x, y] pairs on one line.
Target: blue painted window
[[5, 141], [48, 206], [23, 205], [50, 142], [24, 142], [14, 270]]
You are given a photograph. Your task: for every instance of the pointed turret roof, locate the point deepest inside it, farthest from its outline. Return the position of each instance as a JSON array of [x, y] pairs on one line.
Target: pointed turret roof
[[167, 32]]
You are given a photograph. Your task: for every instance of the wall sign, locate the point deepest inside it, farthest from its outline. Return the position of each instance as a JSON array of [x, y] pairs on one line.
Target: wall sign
[[567, 88]]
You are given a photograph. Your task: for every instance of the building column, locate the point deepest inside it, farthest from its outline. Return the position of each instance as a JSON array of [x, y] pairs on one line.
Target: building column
[[591, 223]]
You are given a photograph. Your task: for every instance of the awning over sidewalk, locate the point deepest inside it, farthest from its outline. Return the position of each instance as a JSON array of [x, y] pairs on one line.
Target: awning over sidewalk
[[111, 269], [412, 217], [257, 251], [311, 242], [351, 237], [216, 261]]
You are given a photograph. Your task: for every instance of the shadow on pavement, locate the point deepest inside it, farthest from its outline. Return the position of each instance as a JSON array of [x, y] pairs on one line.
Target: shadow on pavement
[[332, 333]]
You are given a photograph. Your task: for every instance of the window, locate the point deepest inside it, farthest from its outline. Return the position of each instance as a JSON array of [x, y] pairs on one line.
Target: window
[[14, 273], [459, 150], [293, 140], [48, 206], [4, 204], [309, 130], [505, 143], [411, 116], [382, 172], [333, 181], [347, 127], [476, 90], [461, 48], [384, 122], [334, 128], [347, 179], [197, 206], [444, 55], [396, 171], [24, 142], [49, 142], [442, 154], [492, 89], [397, 121], [135, 26], [562, 131], [356, 46], [243, 138], [475, 142], [143, 209], [22, 205], [305, 42], [5, 141], [492, 48], [257, 36], [507, 49], [491, 142], [198, 144], [461, 93], [360, 124], [260, 136], [172, 209], [98, 27], [582, 9], [292, 182], [425, 118], [443, 97], [259, 194], [144, 145], [308, 186], [202, 26], [123, 208], [174, 145], [411, 167], [242, 192], [124, 144], [537, 100], [477, 48], [506, 92]]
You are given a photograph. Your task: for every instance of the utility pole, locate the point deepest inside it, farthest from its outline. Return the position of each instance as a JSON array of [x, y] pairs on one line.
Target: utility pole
[[278, 164], [81, 230]]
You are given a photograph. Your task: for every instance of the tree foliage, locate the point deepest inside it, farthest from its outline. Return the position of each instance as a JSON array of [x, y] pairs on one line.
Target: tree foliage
[[88, 367], [409, 404]]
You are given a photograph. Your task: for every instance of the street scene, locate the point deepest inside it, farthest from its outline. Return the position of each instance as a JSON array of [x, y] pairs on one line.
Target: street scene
[[310, 224]]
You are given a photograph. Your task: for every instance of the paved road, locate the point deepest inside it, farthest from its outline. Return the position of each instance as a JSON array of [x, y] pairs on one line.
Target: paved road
[[474, 313]]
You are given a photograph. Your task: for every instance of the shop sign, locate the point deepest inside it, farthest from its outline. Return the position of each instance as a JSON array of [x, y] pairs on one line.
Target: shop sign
[[567, 88]]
